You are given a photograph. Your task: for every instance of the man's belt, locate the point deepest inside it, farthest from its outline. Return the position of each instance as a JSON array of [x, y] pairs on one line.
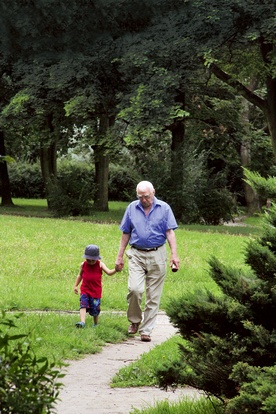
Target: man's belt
[[150, 249]]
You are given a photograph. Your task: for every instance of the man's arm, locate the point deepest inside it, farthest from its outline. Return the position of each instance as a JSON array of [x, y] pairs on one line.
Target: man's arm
[[123, 244], [170, 234]]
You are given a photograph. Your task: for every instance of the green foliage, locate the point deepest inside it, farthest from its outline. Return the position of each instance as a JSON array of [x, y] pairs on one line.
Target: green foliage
[[28, 385], [215, 205], [233, 330], [185, 201], [203, 197], [26, 180], [152, 105], [6, 158], [265, 187], [258, 390], [73, 192], [122, 183]]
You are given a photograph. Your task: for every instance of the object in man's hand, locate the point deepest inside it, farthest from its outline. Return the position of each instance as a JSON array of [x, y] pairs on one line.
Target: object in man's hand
[[174, 268]]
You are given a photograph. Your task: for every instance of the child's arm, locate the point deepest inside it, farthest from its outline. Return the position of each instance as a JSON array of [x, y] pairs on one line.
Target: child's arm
[[78, 280], [109, 272]]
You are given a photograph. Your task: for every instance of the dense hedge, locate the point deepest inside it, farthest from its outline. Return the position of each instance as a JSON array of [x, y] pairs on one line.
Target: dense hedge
[[202, 200], [26, 180]]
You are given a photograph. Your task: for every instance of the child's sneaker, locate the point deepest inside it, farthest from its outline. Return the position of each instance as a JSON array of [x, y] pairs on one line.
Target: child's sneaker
[[80, 325]]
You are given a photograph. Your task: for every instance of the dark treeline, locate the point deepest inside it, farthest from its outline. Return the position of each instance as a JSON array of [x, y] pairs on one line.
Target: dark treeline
[[181, 93]]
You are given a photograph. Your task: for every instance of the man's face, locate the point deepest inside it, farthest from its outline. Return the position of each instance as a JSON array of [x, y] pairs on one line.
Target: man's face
[[145, 196]]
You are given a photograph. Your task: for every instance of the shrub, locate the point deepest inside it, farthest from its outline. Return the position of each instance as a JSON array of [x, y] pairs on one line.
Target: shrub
[[73, 192], [122, 183], [27, 385], [230, 344], [216, 205], [258, 390], [26, 180]]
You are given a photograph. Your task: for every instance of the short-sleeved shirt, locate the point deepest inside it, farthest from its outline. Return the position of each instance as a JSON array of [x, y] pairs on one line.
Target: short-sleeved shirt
[[148, 231], [91, 279]]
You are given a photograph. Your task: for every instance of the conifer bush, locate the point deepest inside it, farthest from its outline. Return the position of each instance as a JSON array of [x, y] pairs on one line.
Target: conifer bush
[[229, 347]]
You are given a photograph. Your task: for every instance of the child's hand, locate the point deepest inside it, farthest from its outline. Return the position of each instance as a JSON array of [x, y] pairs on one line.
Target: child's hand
[[76, 290]]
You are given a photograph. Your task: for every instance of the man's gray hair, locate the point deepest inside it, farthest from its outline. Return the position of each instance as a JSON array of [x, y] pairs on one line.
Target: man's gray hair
[[145, 185]]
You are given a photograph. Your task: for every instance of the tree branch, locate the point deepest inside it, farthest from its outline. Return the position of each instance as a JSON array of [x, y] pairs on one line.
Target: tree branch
[[239, 87]]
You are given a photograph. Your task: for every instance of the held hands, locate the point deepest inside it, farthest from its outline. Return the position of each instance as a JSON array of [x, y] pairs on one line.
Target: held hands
[[119, 265]]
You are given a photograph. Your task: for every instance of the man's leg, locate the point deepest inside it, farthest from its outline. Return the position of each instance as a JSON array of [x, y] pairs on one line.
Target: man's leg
[[156, 272], [136, 281]]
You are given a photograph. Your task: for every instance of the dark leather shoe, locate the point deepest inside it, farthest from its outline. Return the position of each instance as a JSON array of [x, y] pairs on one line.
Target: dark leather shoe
[[133, 328], [145, 338]]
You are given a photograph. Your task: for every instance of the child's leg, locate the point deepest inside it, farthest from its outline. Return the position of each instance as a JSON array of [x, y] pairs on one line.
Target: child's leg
[[95, 309], [83, 307], [82, 314]]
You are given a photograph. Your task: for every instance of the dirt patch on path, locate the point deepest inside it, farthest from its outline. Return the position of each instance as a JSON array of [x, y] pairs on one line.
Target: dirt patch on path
[[87, 388]]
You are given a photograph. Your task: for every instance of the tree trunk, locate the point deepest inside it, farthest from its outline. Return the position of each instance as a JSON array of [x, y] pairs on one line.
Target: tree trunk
[[270, 111], [177, 146], [48, 168], [4, 177], [48, 160], [251, 197], [102, 165], [267, 50]]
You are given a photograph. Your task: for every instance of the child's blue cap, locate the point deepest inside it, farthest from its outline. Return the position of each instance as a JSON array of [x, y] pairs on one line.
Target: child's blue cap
[[92, 252]]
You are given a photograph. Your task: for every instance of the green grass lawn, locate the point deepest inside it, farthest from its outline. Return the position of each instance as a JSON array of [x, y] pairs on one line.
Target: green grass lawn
[[41, 259], [185, 406]]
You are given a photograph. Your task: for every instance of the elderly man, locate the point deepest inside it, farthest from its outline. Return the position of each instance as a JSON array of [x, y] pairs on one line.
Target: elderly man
[[147, 224]]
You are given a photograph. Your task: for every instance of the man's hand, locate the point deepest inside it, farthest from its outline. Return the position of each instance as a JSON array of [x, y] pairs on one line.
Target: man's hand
[[174, 264], [119, 264]]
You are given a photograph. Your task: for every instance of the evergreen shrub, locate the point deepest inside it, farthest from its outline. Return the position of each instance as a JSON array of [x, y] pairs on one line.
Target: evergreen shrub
[[230, 339]]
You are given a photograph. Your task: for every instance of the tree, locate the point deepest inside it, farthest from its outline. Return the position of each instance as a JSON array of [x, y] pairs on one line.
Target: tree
[[4, 176], [239, 45], [230, 343], [164, 66], [76, 41]]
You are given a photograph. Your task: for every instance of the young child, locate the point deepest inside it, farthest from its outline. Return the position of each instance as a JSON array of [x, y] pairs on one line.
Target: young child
[[91, 287]]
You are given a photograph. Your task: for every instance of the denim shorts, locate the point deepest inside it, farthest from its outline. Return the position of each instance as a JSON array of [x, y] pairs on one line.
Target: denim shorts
[[92, 305]]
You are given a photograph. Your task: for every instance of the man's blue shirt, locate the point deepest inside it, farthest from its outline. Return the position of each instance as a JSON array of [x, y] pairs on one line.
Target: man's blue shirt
[[148, 231]]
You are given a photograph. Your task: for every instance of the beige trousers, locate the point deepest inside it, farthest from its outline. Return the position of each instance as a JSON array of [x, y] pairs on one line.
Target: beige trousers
[[146, 270]]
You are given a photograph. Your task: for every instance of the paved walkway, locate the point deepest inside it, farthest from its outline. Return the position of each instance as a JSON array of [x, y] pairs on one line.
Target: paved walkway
[[93, 395]]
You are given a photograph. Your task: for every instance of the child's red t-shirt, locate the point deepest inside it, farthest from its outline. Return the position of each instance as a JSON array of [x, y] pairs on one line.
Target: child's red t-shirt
[[91, 279]]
